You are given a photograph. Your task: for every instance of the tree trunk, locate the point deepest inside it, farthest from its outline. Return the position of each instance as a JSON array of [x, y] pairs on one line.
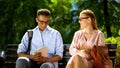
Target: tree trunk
[[107, 23]]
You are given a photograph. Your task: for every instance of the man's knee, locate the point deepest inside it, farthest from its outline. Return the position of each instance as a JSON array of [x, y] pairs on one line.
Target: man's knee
[[47, 65], [23, 62]]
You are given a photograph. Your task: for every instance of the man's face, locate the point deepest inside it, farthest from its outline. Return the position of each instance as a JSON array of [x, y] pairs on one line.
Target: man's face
[[43, 21]]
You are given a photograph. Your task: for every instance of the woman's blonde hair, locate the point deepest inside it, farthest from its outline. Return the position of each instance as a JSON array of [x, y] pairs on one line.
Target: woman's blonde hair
[[90, 14]]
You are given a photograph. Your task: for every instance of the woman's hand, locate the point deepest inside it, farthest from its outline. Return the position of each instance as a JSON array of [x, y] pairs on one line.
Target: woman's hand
[[85, 53]]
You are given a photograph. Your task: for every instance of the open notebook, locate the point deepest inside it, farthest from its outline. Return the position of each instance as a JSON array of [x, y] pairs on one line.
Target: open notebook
[[44, 51]]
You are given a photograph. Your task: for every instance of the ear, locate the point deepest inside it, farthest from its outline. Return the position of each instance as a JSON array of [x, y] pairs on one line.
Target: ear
[[36, 19]]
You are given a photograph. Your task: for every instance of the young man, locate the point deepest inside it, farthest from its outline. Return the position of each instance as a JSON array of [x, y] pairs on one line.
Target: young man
[[43, 37]]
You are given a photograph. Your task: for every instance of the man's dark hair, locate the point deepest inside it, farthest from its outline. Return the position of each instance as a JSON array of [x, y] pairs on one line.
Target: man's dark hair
[[45, 12]]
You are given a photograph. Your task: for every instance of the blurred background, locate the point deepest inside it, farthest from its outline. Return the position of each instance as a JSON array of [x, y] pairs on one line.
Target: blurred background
[[17, 16]]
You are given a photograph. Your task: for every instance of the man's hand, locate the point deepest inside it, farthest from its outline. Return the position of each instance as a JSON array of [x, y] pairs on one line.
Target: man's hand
[[37, 56], [42, 60]]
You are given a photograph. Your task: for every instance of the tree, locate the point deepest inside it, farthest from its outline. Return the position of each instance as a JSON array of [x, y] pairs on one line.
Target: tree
[[107, 14], [20, 16]]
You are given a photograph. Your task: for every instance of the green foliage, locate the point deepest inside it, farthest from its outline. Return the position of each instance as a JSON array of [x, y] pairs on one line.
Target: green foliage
[[62, 18], [111, 40], [16, 16], [118, 41], [118, 52], [115, 40]]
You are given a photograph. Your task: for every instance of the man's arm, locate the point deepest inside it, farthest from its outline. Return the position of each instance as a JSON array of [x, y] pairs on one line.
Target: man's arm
[[22, 48], [46, 59], [34, 57], [21, 54]]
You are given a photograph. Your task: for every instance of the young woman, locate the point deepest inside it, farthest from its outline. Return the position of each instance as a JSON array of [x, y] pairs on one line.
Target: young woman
[[88, 48]]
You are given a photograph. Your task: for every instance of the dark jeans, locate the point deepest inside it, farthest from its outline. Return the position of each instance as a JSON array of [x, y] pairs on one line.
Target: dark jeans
[[27, 63]]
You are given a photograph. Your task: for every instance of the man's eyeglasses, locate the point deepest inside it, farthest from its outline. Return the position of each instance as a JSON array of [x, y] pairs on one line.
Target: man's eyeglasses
[[83, 18], [42, 22]]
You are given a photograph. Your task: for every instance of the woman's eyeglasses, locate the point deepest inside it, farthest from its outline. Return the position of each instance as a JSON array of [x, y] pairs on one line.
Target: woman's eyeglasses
[[83, 18]]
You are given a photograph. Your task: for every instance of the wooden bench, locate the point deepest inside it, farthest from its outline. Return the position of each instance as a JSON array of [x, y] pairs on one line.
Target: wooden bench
[[11, 55], [112, 48]]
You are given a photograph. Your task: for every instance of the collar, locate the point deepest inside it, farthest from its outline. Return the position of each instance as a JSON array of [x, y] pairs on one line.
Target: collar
[[47, 28]]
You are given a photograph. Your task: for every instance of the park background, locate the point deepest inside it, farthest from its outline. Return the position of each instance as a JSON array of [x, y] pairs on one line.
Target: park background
[[17, 16]]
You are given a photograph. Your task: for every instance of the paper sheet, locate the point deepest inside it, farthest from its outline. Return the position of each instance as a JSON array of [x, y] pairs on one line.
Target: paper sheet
[[44, 51]]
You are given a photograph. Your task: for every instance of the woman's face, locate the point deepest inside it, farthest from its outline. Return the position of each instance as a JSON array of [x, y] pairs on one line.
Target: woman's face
[[84, 21]]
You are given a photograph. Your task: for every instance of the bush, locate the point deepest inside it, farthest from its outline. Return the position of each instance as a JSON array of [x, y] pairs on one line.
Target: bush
[[115, 40], [111, 40]]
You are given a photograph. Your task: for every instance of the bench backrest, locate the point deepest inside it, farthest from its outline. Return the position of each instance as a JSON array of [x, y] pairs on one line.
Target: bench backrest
[[11, 55], [112, 48]]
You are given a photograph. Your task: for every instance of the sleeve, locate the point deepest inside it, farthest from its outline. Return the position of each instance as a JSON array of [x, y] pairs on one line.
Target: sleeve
[[101, 39], [73, 49], [22, 47], [101, 43], [59, 45]]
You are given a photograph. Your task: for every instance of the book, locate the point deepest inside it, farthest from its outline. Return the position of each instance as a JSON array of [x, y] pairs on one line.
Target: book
[[44, 51]]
